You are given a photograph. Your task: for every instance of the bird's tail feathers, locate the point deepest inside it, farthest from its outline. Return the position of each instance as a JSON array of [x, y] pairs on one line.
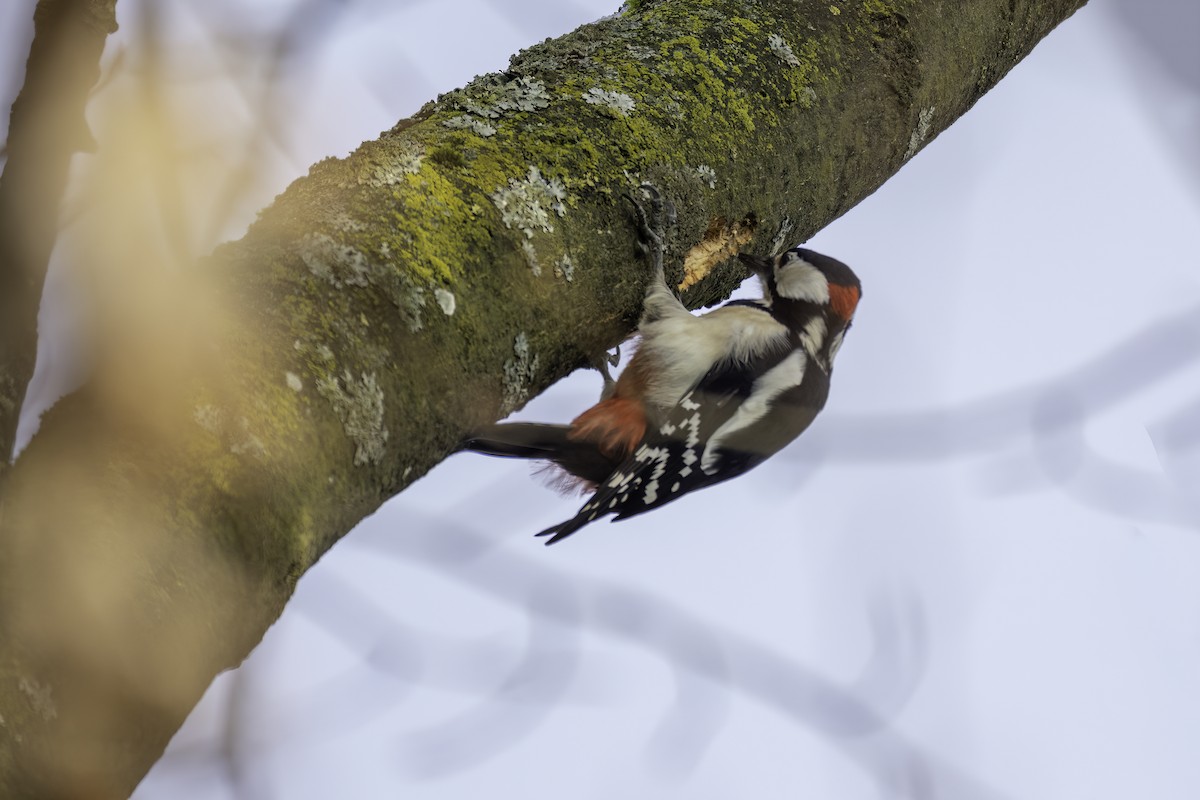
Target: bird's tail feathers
[[564, 529], [518, 440], [543, 442]]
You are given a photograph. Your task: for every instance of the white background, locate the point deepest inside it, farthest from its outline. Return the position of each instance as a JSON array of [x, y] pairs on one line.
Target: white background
[[975, 576]]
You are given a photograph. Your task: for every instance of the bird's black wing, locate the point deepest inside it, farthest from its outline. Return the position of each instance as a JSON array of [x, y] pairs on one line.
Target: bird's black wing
[[667, 464]]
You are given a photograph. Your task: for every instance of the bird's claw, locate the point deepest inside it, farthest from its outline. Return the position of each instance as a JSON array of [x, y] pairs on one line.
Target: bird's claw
[[601, 365], [650, 241]]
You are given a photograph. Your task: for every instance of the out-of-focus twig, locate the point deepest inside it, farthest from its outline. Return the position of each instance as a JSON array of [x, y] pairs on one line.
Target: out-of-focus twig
[[47, 127]]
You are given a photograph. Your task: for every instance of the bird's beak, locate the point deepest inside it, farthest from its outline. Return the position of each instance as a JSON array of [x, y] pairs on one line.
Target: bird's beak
[[762, 266]]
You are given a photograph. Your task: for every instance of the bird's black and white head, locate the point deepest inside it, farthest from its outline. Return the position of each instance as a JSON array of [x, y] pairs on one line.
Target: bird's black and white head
[[812, 294]]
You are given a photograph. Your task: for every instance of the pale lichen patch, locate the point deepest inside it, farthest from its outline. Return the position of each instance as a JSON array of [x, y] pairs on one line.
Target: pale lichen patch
[[387, 162], [248, 443], [531, 258], [209, 417], [618, 102], [342, 265], [708, 175], [410, 300], [359, 405], [782, 50], [406, 161], [526, 203], [781, 236], [293, 381], [344, 222], [721, 242], [523, 94], [338, 264], [467, 122], [642, 52], [446, 301], [41, 697], [239, 438], [565, 268], [918, 137], [518, 372]]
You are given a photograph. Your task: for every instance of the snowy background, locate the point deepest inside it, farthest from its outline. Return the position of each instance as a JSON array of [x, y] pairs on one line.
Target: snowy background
[[974, 577]]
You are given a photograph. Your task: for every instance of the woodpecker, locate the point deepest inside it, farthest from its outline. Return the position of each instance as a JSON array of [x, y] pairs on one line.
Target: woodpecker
[[705, 397]]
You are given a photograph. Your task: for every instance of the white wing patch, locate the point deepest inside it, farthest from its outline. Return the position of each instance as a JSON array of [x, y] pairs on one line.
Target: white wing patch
[[777, 380], [659, 456], [692, 425], [653, 459]]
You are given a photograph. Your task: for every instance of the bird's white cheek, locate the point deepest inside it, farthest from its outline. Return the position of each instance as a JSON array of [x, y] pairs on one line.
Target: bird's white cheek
[[835, 344], [799, 280]]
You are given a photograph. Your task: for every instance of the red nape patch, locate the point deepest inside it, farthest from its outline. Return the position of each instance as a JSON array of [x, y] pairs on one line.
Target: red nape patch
[[843, 300], [617, 426]]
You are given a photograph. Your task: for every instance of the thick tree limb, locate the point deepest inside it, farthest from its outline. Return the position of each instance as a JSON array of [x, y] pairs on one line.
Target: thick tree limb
[[46, 128], [436, 278]]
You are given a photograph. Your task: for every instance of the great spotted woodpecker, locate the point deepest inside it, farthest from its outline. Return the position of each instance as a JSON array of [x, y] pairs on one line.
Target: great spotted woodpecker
[[705, 398]]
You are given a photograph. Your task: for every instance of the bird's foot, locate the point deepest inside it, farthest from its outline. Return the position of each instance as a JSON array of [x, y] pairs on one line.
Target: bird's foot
[[650, 240], [601, 364]]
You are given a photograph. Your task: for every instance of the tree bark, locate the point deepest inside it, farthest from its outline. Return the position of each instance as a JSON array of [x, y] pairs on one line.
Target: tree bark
[[45, 129], [244, 417]]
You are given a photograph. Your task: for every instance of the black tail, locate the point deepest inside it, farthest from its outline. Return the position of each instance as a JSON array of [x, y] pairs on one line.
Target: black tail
[[518, 440], [541, 442], [564, 529]]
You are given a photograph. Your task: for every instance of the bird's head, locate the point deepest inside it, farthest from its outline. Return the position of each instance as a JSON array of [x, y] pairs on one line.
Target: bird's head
[[814, 294]]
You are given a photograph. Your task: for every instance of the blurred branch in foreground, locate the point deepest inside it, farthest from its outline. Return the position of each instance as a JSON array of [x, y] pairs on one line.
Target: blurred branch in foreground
[[46, 129]]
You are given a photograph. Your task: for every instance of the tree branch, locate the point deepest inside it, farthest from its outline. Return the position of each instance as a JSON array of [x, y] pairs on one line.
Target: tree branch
[[247, 416], [46, 128]]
